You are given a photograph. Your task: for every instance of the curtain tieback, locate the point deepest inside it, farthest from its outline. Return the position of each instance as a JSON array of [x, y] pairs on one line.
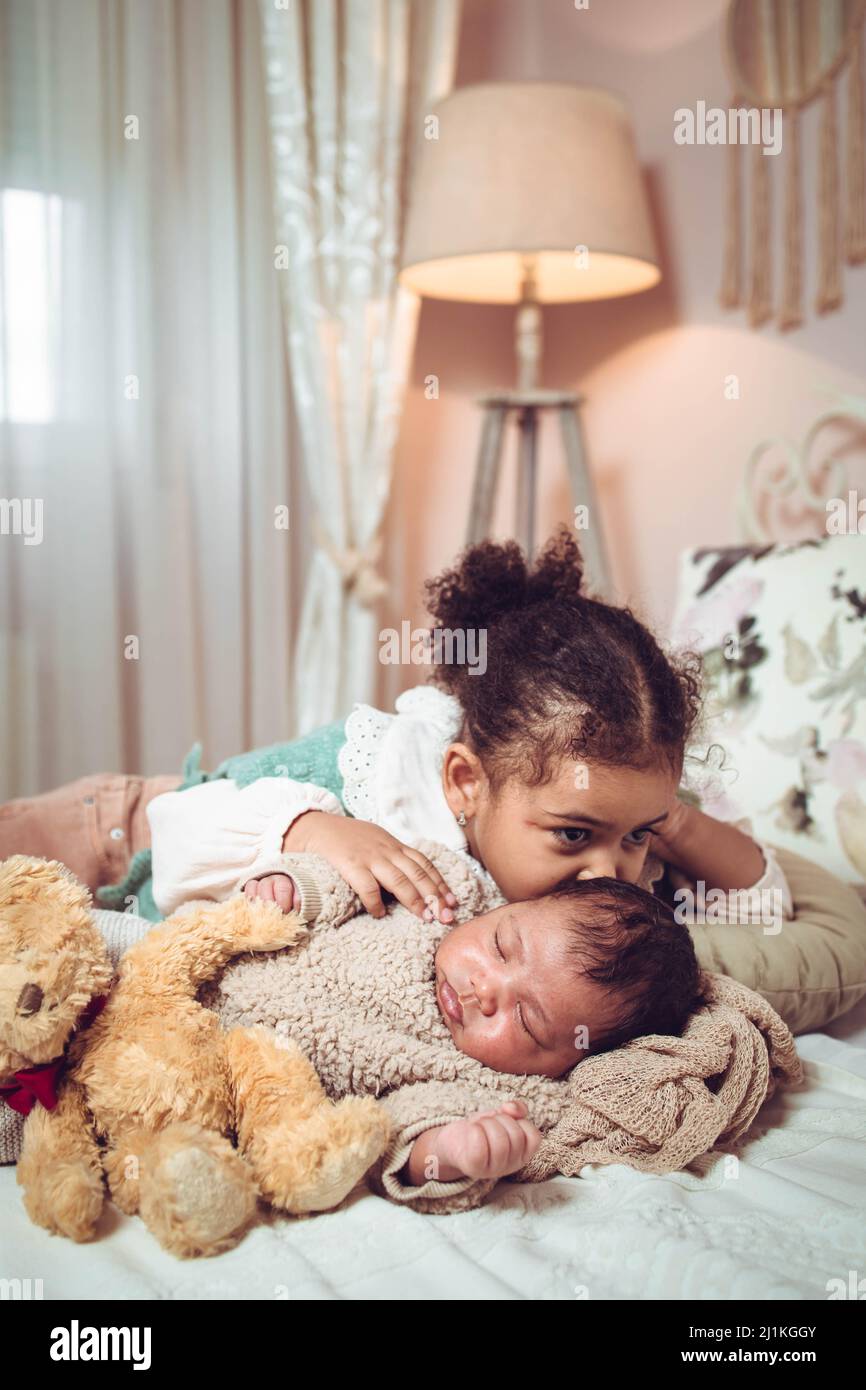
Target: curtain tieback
[[358, 567]]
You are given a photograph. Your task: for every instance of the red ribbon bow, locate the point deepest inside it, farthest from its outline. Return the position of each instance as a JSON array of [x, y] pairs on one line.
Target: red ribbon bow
[[34, 1084]]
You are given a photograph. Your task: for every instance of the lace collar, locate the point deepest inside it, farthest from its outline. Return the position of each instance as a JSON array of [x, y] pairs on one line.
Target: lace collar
[[391, 765]]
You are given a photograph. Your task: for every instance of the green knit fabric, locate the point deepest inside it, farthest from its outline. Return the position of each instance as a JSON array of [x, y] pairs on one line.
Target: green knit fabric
[[312, 758]]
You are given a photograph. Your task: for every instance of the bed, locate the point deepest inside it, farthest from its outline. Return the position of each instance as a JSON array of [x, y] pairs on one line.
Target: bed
[[783, 1218], [786, 1219]]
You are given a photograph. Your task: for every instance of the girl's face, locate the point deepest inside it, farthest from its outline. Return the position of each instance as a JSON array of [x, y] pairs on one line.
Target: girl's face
[[574, 826]]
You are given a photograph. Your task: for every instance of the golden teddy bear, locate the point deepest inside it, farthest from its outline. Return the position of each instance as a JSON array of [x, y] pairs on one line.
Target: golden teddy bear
[[152, 1091]]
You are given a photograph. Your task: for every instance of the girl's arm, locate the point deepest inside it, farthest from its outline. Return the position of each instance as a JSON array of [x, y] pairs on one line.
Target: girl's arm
[[211, 840]]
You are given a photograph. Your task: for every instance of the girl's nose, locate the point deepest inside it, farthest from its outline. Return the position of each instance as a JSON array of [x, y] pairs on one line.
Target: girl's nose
[[601, 867]]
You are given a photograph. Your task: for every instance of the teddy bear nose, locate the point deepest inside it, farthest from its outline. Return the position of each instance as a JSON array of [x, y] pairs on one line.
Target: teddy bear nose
[[29, 1000]]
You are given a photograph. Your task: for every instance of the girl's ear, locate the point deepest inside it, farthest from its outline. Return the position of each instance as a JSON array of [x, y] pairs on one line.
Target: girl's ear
[[463, 779]]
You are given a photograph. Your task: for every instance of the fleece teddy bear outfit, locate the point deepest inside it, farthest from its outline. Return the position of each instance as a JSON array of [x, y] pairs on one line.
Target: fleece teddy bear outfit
[[358, 995]]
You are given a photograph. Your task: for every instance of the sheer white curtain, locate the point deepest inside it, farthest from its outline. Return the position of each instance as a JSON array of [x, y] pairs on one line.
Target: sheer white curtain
[[143, 392], [349, 83]]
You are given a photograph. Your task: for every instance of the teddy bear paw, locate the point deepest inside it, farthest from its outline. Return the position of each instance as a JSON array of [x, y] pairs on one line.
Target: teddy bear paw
[[197, 1195], [266, 927], [320, 1162], [65, 1197]]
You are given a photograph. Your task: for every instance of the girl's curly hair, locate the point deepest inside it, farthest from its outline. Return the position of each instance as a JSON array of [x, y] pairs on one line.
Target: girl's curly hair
[[566, 674]]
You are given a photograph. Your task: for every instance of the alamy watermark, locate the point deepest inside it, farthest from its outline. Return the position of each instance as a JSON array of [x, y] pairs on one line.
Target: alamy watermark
[[77, 1343], [21, 1290], [739, 125], [846, 516], [755, 907], [437, 646], [22, 516], [854, 1288]]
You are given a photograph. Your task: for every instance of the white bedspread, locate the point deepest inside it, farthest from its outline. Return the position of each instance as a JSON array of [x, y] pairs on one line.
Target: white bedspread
[[780, 1223]]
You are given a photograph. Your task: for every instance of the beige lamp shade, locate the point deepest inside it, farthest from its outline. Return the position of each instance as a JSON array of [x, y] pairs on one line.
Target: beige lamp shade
[[538, 169]]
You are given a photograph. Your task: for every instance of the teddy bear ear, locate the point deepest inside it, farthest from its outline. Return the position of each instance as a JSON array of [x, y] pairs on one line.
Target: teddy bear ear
[[24, 877]]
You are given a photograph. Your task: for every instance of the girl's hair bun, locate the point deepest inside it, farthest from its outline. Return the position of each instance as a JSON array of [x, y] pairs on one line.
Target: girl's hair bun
[[493, 579], [565, 675], [558, 572]]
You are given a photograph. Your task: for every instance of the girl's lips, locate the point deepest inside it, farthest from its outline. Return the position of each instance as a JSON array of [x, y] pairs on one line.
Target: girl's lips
[[450, 1003]]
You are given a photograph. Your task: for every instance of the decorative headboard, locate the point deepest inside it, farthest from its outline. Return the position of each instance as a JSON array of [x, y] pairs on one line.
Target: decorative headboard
[[786, 487]]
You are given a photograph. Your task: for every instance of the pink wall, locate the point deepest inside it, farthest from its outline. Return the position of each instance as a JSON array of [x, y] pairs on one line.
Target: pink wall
[[667, 448]]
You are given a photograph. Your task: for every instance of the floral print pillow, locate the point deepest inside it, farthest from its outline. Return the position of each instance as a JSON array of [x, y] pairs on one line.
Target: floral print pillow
[[782, 634]]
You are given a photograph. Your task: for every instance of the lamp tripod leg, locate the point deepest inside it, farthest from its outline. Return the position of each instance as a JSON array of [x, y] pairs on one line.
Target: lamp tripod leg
[[486, 474], [582, 491], [527, 469]]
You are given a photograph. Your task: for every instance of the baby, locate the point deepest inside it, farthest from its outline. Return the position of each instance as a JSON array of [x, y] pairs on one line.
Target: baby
[[466, 1031]]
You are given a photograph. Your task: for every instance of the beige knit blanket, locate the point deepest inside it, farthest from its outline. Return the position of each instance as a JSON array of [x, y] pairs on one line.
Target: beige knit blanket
[[660, 1102]]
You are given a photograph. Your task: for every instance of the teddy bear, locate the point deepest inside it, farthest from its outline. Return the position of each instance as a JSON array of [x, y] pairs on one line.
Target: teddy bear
[[188, 1123]]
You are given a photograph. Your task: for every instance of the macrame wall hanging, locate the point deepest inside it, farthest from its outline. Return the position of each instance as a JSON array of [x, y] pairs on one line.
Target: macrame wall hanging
[[786, 54]]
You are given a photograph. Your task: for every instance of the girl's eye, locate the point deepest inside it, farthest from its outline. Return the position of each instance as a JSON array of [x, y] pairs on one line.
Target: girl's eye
[[571, 835], [637, 837], [498, 947]]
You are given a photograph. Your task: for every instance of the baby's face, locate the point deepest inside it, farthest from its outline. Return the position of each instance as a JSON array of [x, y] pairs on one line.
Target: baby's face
[[511, 996]]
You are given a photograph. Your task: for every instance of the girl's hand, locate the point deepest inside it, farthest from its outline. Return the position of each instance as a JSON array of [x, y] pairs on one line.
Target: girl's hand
[[370, 859], [670, 834], [490, 1144], [275, 888], [709, 850]]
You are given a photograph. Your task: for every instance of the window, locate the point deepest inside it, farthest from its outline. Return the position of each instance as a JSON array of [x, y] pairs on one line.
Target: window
[[30, 245]]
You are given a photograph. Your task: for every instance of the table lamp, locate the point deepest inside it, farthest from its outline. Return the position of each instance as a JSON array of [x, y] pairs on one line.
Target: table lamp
[[529, 193]]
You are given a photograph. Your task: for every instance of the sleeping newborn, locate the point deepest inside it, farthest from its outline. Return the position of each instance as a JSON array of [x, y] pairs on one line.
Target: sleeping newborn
[[531, 987], [445, 1021]]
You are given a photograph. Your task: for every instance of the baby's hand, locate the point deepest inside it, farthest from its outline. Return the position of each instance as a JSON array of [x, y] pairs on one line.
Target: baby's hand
[[490, 1144], [275, 888]]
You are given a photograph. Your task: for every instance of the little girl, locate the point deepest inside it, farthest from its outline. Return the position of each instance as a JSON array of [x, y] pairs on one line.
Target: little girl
[[561, 762]]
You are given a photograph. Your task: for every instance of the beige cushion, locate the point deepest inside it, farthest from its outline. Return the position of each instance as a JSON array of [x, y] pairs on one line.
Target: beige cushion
[[815, 968]]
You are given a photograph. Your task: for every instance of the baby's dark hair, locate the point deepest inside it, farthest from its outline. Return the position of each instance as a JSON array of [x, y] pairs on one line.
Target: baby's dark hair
[[566, 674], [628, 941]]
